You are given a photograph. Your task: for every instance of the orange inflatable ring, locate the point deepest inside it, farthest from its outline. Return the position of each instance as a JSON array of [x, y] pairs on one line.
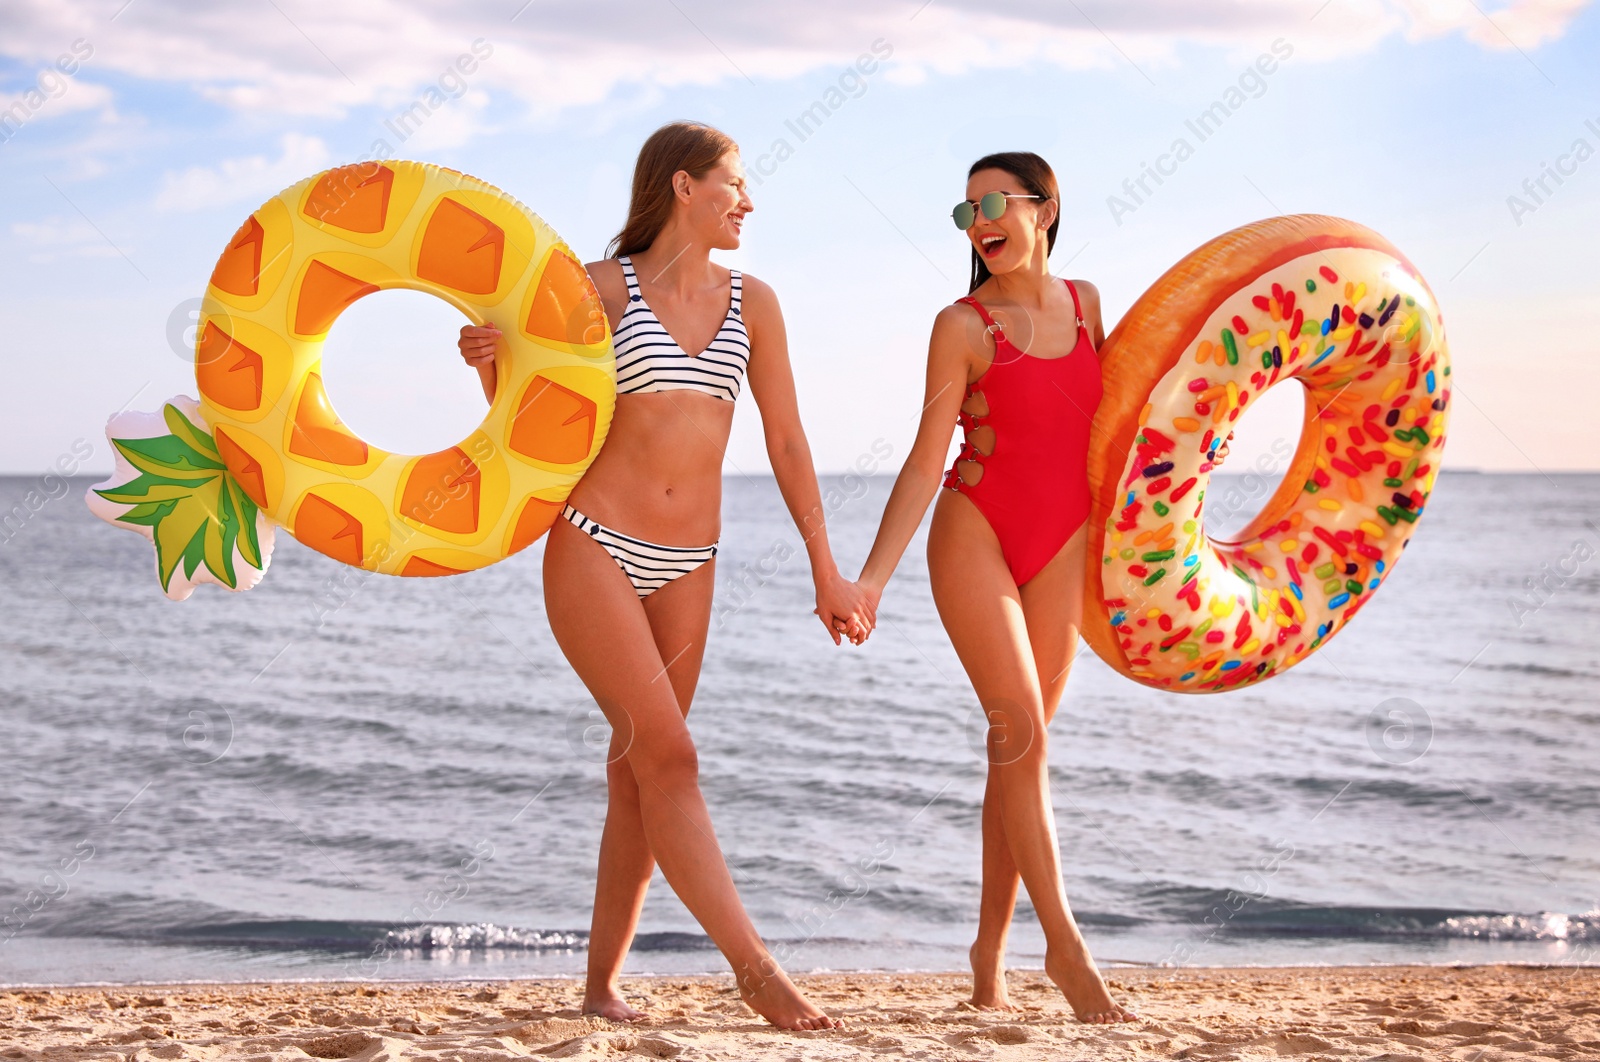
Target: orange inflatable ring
[[310, 252], [1321, 301]]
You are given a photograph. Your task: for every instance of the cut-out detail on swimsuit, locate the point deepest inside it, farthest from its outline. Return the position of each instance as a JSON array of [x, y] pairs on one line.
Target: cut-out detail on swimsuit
[[647, 565], [649, 359], [1031, 480], [982, 440]]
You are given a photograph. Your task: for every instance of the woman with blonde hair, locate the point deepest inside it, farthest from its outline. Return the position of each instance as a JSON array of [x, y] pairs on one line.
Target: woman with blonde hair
[[629, 567]]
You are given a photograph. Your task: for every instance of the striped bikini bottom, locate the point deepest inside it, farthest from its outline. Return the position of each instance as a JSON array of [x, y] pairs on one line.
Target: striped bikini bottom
[[648, 566]]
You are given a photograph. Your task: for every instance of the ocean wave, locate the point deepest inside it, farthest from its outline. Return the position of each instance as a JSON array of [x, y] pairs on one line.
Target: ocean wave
[[334, 936], [1546, 926], [1259, 918], [482, 936], [1240, 914], [1382, 922], [331, 935]]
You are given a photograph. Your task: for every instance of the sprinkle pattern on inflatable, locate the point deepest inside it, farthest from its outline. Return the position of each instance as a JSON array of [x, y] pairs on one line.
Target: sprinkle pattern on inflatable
[[294, 266], [1320, 301]]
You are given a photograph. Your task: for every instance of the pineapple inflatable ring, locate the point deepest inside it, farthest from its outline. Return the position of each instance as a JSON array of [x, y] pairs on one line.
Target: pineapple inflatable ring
[[263, 446]]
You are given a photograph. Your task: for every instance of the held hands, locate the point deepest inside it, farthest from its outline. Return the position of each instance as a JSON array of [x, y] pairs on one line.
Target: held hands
[[845, 609]]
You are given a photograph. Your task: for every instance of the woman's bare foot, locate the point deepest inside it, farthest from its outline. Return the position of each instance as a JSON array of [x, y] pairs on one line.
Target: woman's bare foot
[[989, 979], [610, 1005], [776, 999], [1080, 982]]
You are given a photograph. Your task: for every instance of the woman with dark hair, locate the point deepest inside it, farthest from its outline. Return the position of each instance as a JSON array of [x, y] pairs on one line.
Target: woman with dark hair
[[629, 568], [1015, 364]]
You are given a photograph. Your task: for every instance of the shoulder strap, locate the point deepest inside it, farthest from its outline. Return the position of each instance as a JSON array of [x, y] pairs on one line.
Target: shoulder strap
[[976, 305], [1077, 306], [630, 277], [736, 279]]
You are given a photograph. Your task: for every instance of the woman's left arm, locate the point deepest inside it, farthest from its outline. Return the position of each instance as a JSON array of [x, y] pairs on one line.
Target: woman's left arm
[[840, 605]]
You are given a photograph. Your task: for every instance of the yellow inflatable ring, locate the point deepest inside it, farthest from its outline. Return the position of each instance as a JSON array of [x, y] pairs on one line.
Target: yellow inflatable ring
[[310, 252], [1318, 300]]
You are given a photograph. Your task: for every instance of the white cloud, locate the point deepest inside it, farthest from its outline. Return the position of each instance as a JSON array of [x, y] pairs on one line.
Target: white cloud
[[38, 96], [296, 57], [70, 96], [1520, 24], [52, 239], [452, 125], [252, 178]]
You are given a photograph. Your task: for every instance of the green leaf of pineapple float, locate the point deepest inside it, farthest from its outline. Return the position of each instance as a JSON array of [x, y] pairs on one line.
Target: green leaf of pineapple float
[[172, 487]]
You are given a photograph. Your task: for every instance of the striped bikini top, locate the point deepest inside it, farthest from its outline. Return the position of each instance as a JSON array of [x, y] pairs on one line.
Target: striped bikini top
[[649, 359]]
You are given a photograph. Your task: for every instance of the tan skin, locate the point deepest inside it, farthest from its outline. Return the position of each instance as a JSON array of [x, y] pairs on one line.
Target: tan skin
[[659, 477], [1017, 644]]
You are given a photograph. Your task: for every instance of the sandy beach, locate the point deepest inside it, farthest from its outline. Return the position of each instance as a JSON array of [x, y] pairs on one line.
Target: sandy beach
[[1474, 1014]]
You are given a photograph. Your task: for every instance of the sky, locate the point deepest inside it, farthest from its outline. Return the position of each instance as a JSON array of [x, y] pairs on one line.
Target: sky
[[1465, 131]]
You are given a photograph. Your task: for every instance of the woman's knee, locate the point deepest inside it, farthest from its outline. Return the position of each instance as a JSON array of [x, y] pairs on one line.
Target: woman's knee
[[621, 783], [1016, 734], [665, 761]]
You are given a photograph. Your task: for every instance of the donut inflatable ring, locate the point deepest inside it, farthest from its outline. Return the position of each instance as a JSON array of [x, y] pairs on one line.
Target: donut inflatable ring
[[1317, 300], [313, 250]]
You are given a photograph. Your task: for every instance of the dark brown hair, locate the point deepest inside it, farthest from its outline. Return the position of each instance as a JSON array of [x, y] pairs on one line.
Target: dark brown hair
[[1036, 176], [689, 146]]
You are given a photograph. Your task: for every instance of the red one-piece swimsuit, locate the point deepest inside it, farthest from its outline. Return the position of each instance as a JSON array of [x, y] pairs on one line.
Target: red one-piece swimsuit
[[1034, 489]]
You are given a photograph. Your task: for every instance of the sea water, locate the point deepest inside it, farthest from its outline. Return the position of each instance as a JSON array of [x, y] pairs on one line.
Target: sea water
[[344, 775]]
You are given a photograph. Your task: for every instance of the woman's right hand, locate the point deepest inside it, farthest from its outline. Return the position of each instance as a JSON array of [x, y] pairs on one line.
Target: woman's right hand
[[478, 343], [871, 595], [843, 609]]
